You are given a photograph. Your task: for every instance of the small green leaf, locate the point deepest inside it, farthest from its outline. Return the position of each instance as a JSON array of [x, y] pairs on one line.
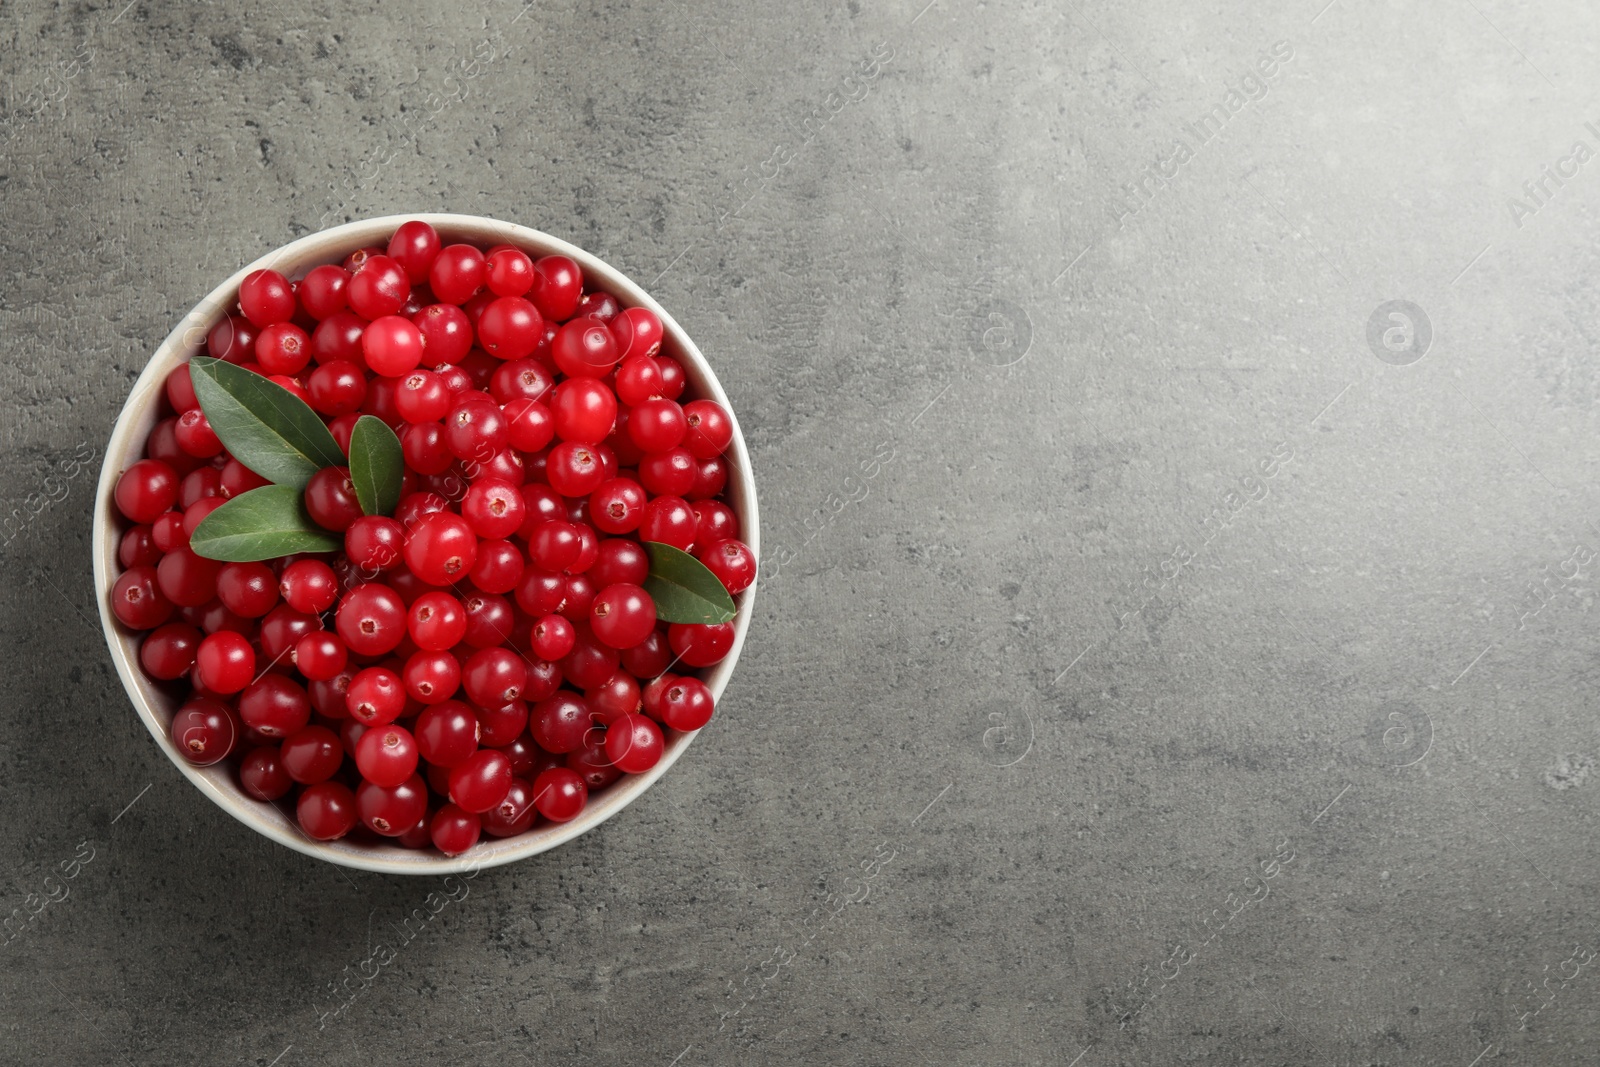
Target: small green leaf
[[683, 589], [264, 426], [264, 523], [376, 465]]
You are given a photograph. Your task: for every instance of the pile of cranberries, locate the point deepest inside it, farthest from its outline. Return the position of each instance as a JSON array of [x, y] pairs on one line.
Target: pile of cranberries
[[487, 656]]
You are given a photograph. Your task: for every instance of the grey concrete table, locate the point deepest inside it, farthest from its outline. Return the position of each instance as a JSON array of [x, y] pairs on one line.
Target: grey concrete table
[[1177, 435]]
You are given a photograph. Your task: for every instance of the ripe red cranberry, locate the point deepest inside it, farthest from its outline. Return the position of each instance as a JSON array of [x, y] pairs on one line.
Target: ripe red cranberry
[[583, 410], [322, 290], [499, 566], [447, 733], [711, 475], [732, 562], [480, 782], [618, 695], [650, 657], [197, 485], [138, 602], [392, 345], [373, 543], [421, 396], [492, 677], [598, 305], [414, 246], [622, 615], [204, 731], [283, 348], [224, 662], [619, 559], [233, 340], [391, 811], [558, 723], [376, 697], [680, 703], [441, 548], [580, 593], [386, 755], [320, 656], [553, 637], [436, 621], [476, 429], [274, 706], [337, 339], [424, 449], [668, 519], [710, 428], [309, 586], [454, 831], [560, 794], [237, 479], [311, 755], [262, 776], [658, 425], [145, 490], [590, 761], [493, 508], [168, 651], [247, 589], [557, 287], [638, 380], [331, 499], [584, 348], [617, 505], [638, 332], [701, 645], [515, 812], [673, 380], [633, 744], [714, 521], [282, 629], [670, 473], [188, 579], [510, 328], [489, 620], [521, 379], [456, 273], [326, 811], [336, 388], [446, 333], [590, 662], [138, 548], [378, 288], [371, 620], [508, 272], [575, 469], [195, 435], [431, 677], [500, 726], [265, 298], [179, 388]]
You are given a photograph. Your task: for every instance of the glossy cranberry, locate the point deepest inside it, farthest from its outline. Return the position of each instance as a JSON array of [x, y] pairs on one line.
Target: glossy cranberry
[[711, 477], [498, 568], [441, 548], [557, 287], [480, 782], [424, 448], [326, 811], [214, 618], [237, 479], [312, 755], [188, 579], [668, 519], [337, 339], [378, 288], [282, 629], [446, 334], [583, 410], [330, 499], [493, 508], [633, 744], [456, 273], [454, 831], [521, 379], [732, 562], [447, 734], [138, 548], [710, 428], [262, 776], [371, 619], [274, 706], [309, 586], [584, 348], [510, 328], [714, 521], [168, 651], [224, 662], [247, 589], [195, 435], [592, 763], [199, 484], [553, 637], [421, 396], [558, 723], [681, 703], [618, 695], [489, 620], [499, 726], [527, 759], [670, 473], [492, 677], [376, 697], [639, 332], [146, 490], [637, 380], [700, 645], [649, 657], [414, 246], [382, 403], [431, 677], [322, 290], [392, 810], [283, 348], [476, 429], [514, 813], [336, 388], [392, 345], [163, 447], [373, 543], [233, 340], [540, 592], [265, 298], [195, 514], [622, 615], [508, 272], [574, 469], [559, 793], [327, 695], [580, 595], [436, 621], [617, 506], [320, 655], [658, 425], [386, 755]]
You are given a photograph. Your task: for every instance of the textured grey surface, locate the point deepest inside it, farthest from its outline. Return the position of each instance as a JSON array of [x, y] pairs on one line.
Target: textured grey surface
[[1108, 565]]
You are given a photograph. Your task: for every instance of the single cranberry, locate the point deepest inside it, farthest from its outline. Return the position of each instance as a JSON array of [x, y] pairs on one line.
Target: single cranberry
[[145, 490], [668, 474], [681, 703], [283, 348], [378, 288], [224, 662], [138, 548], [336, 388], [423, 446], [590, 662], [309, 586], [521, 379], [414, 246], [639, 332], [322, 291], [481, 782], [454, 831], [204, 731], [376, 697], [247, 589], [168, 651], [476, 429], [490, 620], [592, 763], [312, 755], [667, 519], [237, 479], [583, 410], [553, 637], [510, 328], [337, 338], [386, 755], [282, 629], [188, 579], [701, 645], [274, 706], [616, 696], [492, 677], [199, 484], [421, 396], [584, 348], [499, 726], [232, 339], [446, 333], [598, 305], [326, 811], [575, 469], [265, 298], [711, 476], [633, 744], [617, 506], [371, 620], [714, 521], [557, 287], [447, 733], [580, 594], [649, 657], [732, 562], [456, 273], [436, 621], [673, 380], [493, 508], [195, 435], [514, 813], [559, 722], [327, 695], [508, 272], [138, 602], [320, 656], [373, 543], [622, 615], [262, 775], [392, 345], [431, 677], [638, 380], [441, 548], [658, 425], [560, 794], [710, 428], [330, 498]]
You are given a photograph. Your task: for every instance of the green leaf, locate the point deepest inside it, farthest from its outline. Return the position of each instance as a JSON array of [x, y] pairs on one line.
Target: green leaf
[[264, 523], [683, 589], [264, 426], [376, 465]]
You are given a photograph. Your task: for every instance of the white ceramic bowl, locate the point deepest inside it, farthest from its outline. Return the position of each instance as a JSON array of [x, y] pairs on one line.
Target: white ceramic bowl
[[156, 705]]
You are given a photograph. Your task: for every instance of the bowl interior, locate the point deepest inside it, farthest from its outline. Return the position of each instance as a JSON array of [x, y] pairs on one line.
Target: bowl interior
[[156, 704]]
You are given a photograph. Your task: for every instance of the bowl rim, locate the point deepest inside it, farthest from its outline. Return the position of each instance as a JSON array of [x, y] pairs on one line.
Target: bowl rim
[[126, 445]]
